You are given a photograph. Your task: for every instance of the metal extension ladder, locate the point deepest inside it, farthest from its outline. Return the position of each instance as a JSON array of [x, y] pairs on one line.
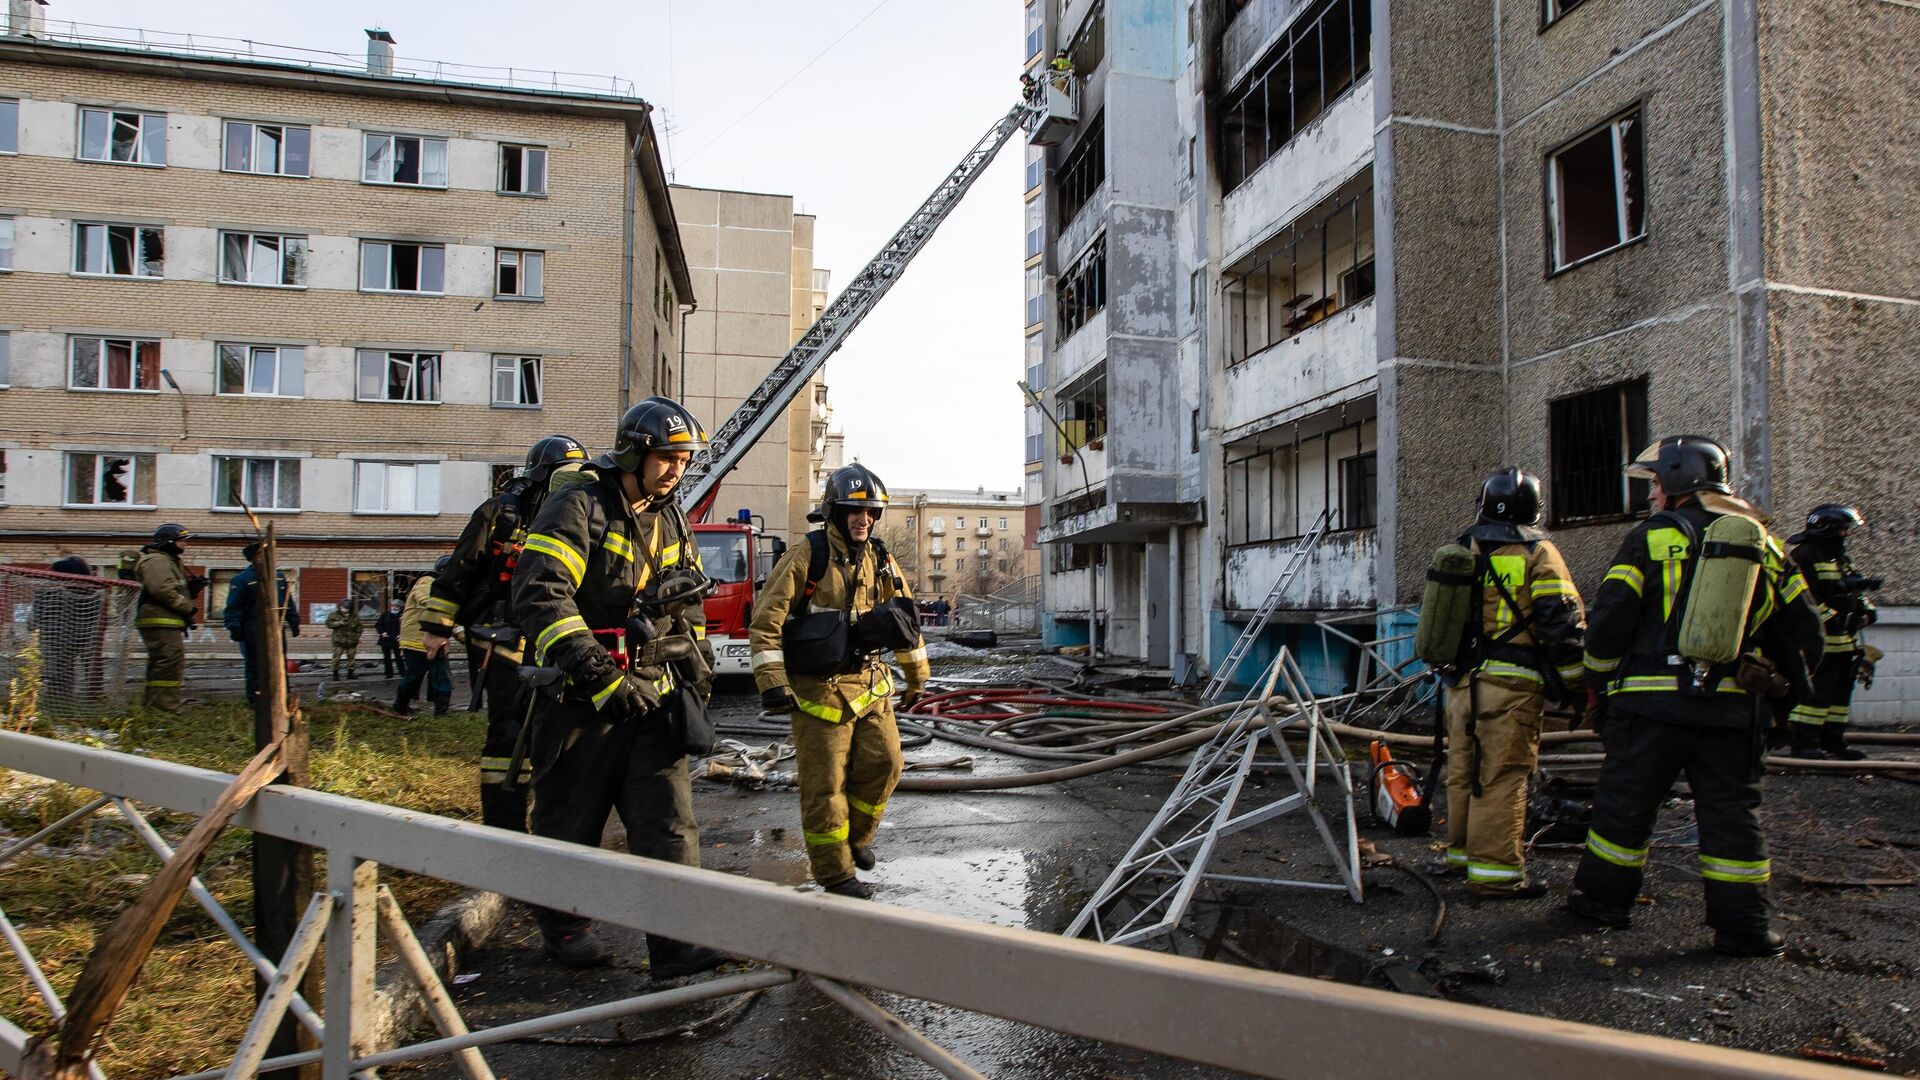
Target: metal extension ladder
[[1302, 551], [732, 439]]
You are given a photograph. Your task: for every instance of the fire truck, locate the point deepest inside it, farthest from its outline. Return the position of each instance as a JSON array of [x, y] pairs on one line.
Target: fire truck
[[737, 554]]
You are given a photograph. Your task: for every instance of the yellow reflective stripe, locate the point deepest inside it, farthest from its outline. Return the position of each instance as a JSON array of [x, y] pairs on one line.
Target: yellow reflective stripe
[[448, 607], [835, 836], [1618, 854], [1808, 714], [1603, 667], [619, 545], [1511, 570], [572, 624], [601, 695], [699, 633], [1511, 671], [1569, 672], [1551, 587], [1654, 684], [1494, 872], [867, 808], [664, 683], [813, 708], [669, 555], [1456, 856], [160, 621], [1793, 588], [768, 656], [1628, 575], [1668, 547], [912, 656], [882, 689], [1737, 871], [558, 549], [163, 682]]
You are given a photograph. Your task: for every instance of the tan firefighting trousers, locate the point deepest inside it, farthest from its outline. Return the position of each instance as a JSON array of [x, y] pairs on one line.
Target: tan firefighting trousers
[[1484, 830], [166, 666], [847, 771]]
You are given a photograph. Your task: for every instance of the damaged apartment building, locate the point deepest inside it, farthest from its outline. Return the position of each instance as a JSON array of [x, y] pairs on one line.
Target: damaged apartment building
[[1329, 262]]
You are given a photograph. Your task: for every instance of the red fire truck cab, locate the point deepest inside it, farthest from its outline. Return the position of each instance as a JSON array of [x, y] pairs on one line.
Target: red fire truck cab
[[737, 554]]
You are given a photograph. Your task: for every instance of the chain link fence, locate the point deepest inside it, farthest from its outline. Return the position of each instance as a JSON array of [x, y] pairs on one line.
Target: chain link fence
[[82, 631]]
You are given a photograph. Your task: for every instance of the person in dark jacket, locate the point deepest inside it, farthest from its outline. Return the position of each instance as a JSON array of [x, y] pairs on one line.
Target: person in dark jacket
[[241, 616], [386, 630], [1665, 714], [1819, 724], [67, 618]]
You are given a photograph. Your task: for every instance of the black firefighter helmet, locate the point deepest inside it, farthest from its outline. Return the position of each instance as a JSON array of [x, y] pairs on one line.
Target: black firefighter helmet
[[550, 453], [1833, 521], [851, 486], [171, 534], [1511, 496], [1684, 464], [658, 423]]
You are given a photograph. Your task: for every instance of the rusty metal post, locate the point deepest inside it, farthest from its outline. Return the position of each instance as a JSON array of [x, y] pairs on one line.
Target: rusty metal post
[[282, 870]]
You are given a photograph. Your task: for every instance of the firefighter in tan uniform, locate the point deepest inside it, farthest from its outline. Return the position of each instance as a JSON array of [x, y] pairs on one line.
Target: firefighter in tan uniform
[[831, 609], [165, 615], [1524, 651]]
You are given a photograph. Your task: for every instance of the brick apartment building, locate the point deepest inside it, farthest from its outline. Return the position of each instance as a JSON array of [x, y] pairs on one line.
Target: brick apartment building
[[345, 298]]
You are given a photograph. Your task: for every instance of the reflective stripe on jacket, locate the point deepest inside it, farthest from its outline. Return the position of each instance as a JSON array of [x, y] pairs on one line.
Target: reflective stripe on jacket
[[165, 602]]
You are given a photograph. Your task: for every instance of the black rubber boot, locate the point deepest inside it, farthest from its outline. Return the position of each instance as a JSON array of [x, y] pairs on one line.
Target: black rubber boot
[[1530, 890], [1833, 741], [580, 949], [1746, 943], [1805, 742], [863, 858], [852, 887], [440, 705], [670, 959], [1593, 911]]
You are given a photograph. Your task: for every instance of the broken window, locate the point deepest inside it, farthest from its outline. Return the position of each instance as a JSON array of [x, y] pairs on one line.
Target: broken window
[[410, 160], [1082, 291], [263, 259], [1082, 171], [1082, 412], [1593, 436], [1596, 192], [523, 170], [516, 381], [520, 274], [398, 376], [1309, 271], [1552, 10], [395, 267], [128, 138], [96, 363], [109, 479], [267, 149], [256, 483], [262, 370], [118, 250], [1326, 51], [1279, 482], [500, 474]]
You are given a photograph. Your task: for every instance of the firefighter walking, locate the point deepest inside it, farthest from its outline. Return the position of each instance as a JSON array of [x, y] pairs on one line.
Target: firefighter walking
[[164, 615], [830, 609], [610, 532], [1818, 725], [1675, 635], [1522, 649], [473, 592]]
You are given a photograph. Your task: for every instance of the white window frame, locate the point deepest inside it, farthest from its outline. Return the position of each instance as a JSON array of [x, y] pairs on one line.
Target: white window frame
[[134, 462], [1003, 524], [522, 371], [392, 159], [10, 129], [416, 361], [387, 474], [527, 154], [253, 128], [140, 237], [254, 245], [248, 464], [6, 359], [134, 348], [6, 243], [1556, 184], [278, 358], [144, 122], [522, 260], [367, 247]]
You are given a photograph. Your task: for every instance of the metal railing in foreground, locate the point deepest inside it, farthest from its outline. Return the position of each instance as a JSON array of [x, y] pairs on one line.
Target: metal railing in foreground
[[1257, 1022]]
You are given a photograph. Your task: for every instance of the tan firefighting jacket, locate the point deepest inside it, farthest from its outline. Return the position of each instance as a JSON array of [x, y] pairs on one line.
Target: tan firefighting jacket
[[410, 636], [831, 697], [165, 602]]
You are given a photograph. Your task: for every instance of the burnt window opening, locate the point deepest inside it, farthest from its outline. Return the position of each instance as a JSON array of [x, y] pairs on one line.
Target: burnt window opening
[[1596, 192], [1593, 436], [1083, 171], [1320, 57], [1275, 492], [1082, 292], [1323, 264], [1083, 418]]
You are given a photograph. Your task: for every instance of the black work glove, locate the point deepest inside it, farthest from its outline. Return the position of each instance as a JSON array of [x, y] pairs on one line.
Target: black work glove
[[776, 699], [635, 698], [911, 698]]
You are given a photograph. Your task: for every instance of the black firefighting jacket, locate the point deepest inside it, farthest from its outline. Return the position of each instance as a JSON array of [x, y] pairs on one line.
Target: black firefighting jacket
[[473, 590], [1633, 624], [587, 556], [1826, 565]]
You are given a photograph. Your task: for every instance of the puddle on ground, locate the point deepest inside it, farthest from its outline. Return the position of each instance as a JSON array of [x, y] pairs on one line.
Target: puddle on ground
[[779, 856], [1274, 946], [1005, 888]]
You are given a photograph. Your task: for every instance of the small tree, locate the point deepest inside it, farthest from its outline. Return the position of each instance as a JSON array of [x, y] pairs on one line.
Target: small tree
[[902, 544]]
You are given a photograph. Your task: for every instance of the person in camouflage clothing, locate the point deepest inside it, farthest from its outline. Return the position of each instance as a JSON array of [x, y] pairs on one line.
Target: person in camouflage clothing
[[345, 626]]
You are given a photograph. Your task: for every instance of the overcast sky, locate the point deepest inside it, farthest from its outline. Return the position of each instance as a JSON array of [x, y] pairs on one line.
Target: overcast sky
[[925, 388]]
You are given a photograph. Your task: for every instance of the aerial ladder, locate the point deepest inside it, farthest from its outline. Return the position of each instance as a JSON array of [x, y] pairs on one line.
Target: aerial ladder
[[1048, 114]]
